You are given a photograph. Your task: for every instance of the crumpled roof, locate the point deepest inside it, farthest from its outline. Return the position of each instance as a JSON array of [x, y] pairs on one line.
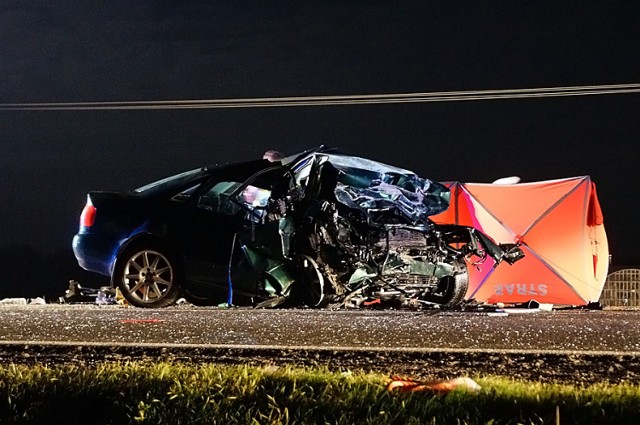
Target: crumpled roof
[[369, 185]]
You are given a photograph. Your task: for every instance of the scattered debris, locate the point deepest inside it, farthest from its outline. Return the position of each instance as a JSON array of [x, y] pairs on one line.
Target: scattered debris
[[37, 301], [531, 306], [23, 301], [78, 294], [404, 384], [18, 301], [594, 305], [106, 295]]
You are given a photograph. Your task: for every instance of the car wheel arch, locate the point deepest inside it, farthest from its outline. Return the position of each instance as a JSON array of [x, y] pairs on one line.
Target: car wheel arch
[[143, 239]]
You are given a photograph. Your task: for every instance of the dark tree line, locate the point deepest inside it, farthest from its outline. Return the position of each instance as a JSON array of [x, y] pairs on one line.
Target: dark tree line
[[29, 273]]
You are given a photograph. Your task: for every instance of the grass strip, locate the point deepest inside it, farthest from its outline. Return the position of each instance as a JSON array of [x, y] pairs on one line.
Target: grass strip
[[178, 393]]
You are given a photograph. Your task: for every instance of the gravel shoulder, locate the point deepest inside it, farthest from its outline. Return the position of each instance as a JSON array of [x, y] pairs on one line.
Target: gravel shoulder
[[572, 368]]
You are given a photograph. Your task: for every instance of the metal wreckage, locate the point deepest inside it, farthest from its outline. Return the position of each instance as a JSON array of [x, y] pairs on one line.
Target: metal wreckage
[[317, 228], [351, 232]]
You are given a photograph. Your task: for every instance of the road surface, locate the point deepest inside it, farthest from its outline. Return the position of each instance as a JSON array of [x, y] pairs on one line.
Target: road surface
[[589, 345]]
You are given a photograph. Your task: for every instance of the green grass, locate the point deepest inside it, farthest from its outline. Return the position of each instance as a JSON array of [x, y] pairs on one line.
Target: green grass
[[215, 394]]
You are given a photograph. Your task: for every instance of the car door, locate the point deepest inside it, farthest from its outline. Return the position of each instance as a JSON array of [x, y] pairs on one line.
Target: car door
[[206, 232], [220, 209]]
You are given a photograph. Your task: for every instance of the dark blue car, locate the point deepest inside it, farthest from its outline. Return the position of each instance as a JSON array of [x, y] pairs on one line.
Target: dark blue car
[[315, 228]]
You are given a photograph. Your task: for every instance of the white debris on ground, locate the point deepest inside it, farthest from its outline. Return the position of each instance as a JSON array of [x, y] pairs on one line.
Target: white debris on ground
[[23, 301], [107, 295]]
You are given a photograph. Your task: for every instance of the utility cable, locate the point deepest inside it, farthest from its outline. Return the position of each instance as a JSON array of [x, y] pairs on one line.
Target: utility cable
[[309, 101]]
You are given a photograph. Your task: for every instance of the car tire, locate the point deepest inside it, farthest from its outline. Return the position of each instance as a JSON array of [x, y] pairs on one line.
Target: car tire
[[451, 289], [148, 276], [309, 289]]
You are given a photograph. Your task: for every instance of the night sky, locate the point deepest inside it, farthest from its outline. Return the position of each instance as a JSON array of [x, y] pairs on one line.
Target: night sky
[[87, 51]]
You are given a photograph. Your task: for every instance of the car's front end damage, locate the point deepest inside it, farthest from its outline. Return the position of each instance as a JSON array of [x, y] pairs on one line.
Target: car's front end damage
[[351, 232]]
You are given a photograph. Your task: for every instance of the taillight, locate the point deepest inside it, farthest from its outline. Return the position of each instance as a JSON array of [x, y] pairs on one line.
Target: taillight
[[88, 216]]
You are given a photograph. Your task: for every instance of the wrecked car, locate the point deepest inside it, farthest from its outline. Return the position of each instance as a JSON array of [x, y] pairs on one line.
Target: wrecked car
[[316, 229]]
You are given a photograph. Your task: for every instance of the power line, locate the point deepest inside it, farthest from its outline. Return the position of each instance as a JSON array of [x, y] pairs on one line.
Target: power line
[[308, 101]]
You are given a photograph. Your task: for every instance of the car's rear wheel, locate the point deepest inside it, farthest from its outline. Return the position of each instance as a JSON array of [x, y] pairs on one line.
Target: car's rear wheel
[[147, 276]]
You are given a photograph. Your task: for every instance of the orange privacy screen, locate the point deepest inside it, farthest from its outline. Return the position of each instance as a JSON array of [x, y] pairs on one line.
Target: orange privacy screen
[[559, 224]]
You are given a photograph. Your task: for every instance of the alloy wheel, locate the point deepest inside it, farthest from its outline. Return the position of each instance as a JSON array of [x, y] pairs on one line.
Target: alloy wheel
[[148, 276]]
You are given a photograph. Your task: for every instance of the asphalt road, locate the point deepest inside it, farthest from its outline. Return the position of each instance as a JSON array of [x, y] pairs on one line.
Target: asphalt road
[[560, 346], [582, 331]]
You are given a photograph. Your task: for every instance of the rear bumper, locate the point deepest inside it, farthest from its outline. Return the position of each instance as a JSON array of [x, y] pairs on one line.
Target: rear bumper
[[95, 253]]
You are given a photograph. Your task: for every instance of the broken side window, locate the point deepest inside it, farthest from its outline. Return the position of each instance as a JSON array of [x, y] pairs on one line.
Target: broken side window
[[217, 199]]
